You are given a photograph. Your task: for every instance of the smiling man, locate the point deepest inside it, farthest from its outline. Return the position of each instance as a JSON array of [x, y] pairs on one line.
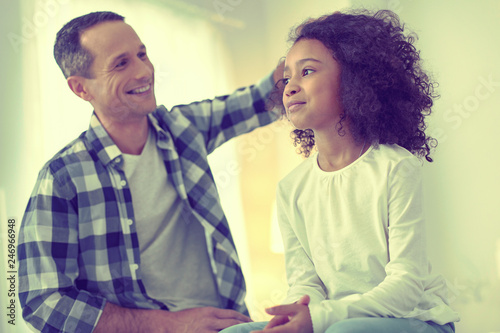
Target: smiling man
[[124, 231]]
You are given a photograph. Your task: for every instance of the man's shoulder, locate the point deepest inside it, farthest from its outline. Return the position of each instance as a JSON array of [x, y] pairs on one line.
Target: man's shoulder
[[73, 155], [181, 121]]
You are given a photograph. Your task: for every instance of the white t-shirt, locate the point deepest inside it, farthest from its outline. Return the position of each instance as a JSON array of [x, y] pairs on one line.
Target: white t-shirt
[[175, 265], [355, 240]]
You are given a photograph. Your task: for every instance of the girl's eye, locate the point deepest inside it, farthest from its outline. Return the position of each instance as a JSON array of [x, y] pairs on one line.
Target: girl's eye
[[142, 55], [307, 71]]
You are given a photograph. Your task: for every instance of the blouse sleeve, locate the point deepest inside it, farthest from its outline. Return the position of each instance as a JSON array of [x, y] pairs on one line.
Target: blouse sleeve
[[301, 274]]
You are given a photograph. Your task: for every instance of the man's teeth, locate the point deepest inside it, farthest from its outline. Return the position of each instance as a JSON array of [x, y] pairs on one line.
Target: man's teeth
[[140, 90]]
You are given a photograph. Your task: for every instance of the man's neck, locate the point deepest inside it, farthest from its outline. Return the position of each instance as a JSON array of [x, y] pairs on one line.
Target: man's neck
[[129, 136]]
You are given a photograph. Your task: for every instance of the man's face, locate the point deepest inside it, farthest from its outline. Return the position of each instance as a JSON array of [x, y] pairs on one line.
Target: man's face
[[122, 84]]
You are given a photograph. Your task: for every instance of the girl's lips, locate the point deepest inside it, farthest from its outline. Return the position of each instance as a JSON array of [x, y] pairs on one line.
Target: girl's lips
[[293, 106]]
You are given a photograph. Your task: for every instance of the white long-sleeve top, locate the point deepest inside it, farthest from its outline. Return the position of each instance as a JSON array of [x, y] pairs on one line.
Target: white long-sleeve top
[[355, 243]]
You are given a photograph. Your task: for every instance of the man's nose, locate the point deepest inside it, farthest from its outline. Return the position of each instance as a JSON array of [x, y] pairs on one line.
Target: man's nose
[[144, 69]]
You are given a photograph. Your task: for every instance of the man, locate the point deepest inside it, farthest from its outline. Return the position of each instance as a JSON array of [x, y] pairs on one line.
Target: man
[[124, 231]]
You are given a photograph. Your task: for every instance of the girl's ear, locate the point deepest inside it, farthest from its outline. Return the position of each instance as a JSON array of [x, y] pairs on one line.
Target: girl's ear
[[78, 85]]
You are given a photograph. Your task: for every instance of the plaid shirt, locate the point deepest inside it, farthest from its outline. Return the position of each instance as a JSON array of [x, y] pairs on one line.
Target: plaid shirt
[[78, 245]]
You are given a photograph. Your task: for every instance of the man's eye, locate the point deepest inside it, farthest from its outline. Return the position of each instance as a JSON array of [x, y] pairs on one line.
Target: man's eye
[[121, 64], [142, 55]]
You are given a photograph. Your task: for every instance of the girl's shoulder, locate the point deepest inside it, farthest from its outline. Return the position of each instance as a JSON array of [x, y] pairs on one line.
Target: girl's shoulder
[[300, 173], [397, 161], [393, 153]]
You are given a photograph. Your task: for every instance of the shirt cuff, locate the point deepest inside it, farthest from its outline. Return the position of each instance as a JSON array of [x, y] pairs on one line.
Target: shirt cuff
[[266, 84], [323, 318]]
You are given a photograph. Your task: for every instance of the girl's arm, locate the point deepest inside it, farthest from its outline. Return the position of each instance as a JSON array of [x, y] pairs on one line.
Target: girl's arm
[[301, 275]]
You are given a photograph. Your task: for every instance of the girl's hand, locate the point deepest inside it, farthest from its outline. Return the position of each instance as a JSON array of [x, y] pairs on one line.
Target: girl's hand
[[290, 318]]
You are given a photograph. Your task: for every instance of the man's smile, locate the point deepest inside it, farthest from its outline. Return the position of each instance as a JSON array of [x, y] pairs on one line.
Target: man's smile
[[140, 90]]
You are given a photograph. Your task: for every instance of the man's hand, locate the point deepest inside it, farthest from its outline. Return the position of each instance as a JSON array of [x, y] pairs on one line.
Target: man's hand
[[278, 72], [200, 320], [290, 318], [203, 320]]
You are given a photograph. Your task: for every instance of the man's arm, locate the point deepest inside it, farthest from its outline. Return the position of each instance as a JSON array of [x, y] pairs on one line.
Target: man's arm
[[48, 262], [225, 117], [201, 320]]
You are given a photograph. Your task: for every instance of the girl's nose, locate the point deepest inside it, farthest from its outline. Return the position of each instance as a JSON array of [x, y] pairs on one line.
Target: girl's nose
[[291, 89]]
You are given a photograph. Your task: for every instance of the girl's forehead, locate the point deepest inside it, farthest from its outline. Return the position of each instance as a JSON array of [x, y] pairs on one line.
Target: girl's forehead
[[307, 48]]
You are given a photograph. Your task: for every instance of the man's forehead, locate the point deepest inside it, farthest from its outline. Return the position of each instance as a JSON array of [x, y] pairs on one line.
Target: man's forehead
[[110, 37]]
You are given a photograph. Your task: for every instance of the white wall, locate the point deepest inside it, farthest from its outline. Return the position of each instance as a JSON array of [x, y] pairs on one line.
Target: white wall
[[459, 42], [11, 155]]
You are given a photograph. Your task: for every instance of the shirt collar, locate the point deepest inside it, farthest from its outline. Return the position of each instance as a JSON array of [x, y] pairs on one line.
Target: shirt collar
[[107, 151], [163, 137], [101, 142]]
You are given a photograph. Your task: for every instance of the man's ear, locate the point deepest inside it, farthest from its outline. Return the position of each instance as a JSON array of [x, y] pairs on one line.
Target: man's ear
[[78, 85]]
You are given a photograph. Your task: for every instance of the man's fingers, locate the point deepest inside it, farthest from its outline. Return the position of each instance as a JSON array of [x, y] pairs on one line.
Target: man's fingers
[[231, 314]]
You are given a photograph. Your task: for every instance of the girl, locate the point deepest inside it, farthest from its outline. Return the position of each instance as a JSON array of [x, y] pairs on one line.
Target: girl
[[351, 214]]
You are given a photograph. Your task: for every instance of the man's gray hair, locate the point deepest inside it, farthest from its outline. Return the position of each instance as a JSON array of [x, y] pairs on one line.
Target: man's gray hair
[[70, 55]]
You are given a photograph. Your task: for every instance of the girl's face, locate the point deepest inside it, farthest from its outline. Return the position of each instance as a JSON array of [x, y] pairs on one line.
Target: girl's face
[[311, 94]]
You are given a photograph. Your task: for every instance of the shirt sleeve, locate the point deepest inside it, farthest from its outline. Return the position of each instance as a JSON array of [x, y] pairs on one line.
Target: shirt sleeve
[[401, 291], [48, 264], [228, 116], [301, 275]]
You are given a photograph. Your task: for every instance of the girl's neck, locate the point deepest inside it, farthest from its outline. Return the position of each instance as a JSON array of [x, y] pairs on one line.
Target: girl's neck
[[336, 152]]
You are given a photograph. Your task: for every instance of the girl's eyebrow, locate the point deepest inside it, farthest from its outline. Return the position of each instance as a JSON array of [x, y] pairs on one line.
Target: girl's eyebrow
[[301, 61]]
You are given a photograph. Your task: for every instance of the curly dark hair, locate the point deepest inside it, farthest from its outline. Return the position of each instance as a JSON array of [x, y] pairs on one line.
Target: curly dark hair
[[384, 93]]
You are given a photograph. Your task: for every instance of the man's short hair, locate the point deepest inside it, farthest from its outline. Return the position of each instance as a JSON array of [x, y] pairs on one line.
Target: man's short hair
[[70, 55]]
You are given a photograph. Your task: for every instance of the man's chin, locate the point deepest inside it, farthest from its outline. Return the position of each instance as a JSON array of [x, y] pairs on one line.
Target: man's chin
[[153, 108]]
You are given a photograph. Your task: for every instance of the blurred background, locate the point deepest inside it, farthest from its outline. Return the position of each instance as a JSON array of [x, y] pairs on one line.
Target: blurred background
[[203, 48]]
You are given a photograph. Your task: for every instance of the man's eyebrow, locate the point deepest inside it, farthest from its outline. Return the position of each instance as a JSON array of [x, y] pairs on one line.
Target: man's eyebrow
[[124, 54], [301, 61]]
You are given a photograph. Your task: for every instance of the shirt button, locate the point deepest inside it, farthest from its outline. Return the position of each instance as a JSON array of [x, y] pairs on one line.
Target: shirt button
[[134, 267], [123, 183], [118, 160], [130, 222]]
